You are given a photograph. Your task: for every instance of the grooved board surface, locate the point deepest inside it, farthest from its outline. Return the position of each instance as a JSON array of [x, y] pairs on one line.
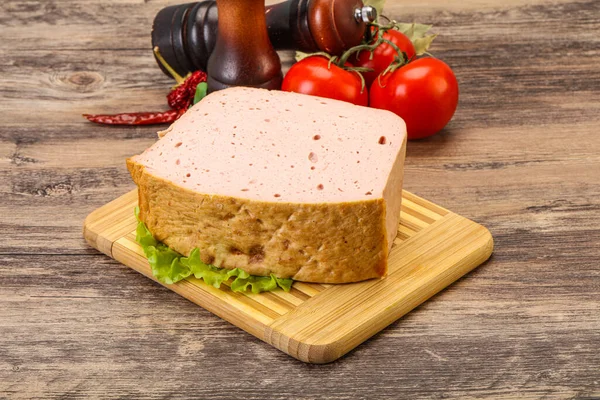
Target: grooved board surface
[[319, 323]]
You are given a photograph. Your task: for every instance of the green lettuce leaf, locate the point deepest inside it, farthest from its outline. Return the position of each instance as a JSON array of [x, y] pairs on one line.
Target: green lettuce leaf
[[169, 267]]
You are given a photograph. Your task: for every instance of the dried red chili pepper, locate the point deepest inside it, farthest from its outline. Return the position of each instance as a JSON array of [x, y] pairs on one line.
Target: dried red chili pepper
[[180, 99], [140, 118], [182, 96]]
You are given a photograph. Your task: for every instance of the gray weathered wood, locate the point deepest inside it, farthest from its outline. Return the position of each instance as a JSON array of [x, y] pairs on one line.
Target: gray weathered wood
[[522, 156]]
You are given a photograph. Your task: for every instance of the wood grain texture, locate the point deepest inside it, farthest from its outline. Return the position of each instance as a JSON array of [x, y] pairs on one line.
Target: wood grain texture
[[319, 323], [519, 157]]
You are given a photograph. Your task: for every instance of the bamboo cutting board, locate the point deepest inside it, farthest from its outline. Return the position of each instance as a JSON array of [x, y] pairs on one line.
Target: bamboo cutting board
[[319, 323]]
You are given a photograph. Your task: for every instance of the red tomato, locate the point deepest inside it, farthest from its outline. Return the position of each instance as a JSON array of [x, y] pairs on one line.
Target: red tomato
[[424, 93], [315, 76], [383, 55]]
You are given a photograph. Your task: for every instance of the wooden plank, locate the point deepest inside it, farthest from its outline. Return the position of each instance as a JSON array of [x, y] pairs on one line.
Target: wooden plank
[[520, 156], [319, 323]]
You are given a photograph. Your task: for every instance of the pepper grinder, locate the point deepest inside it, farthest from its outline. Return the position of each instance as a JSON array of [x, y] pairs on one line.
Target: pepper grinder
[[243, 54], [186, 34]]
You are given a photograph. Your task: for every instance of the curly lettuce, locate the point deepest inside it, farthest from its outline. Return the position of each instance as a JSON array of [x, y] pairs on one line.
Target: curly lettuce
[[169, 267]]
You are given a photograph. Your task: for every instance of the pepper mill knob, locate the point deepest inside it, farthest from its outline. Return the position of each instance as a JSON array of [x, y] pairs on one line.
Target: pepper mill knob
[[366, 14], [334, 24]]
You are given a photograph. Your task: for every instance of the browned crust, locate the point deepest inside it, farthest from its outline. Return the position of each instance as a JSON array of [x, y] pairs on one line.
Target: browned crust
[[323, 242]]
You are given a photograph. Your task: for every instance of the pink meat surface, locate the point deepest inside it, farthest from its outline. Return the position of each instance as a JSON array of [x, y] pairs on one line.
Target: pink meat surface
[[279, 147]]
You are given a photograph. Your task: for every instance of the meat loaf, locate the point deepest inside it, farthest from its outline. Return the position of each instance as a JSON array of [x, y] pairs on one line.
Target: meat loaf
[[273, 182]]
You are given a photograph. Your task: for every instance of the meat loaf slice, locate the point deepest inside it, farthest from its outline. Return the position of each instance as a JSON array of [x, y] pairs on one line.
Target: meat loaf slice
[[275, 182]]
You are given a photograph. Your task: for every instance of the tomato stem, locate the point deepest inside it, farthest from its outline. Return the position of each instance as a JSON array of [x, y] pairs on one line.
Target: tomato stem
[[322, 53], [363, 84], [355, 50], [361, 47], [401, 55], [332, 59], [391, 68], [382, 16], [381, 29]]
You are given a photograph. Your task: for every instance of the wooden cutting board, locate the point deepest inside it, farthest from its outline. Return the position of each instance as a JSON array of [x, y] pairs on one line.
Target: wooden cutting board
[[319, 323]]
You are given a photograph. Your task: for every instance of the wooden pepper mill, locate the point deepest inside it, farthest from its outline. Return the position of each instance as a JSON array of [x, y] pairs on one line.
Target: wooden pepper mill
[[186, 34], [243, 54]]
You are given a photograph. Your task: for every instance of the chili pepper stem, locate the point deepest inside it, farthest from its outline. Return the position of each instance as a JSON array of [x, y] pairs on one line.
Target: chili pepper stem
[[178, 78]]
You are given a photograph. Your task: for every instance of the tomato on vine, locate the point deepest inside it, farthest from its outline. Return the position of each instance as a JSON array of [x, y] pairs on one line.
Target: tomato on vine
[[384, 54], [424, 93], [319, 76]]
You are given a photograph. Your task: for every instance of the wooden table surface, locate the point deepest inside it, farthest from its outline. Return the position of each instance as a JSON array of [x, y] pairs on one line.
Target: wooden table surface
[[522, 157]]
